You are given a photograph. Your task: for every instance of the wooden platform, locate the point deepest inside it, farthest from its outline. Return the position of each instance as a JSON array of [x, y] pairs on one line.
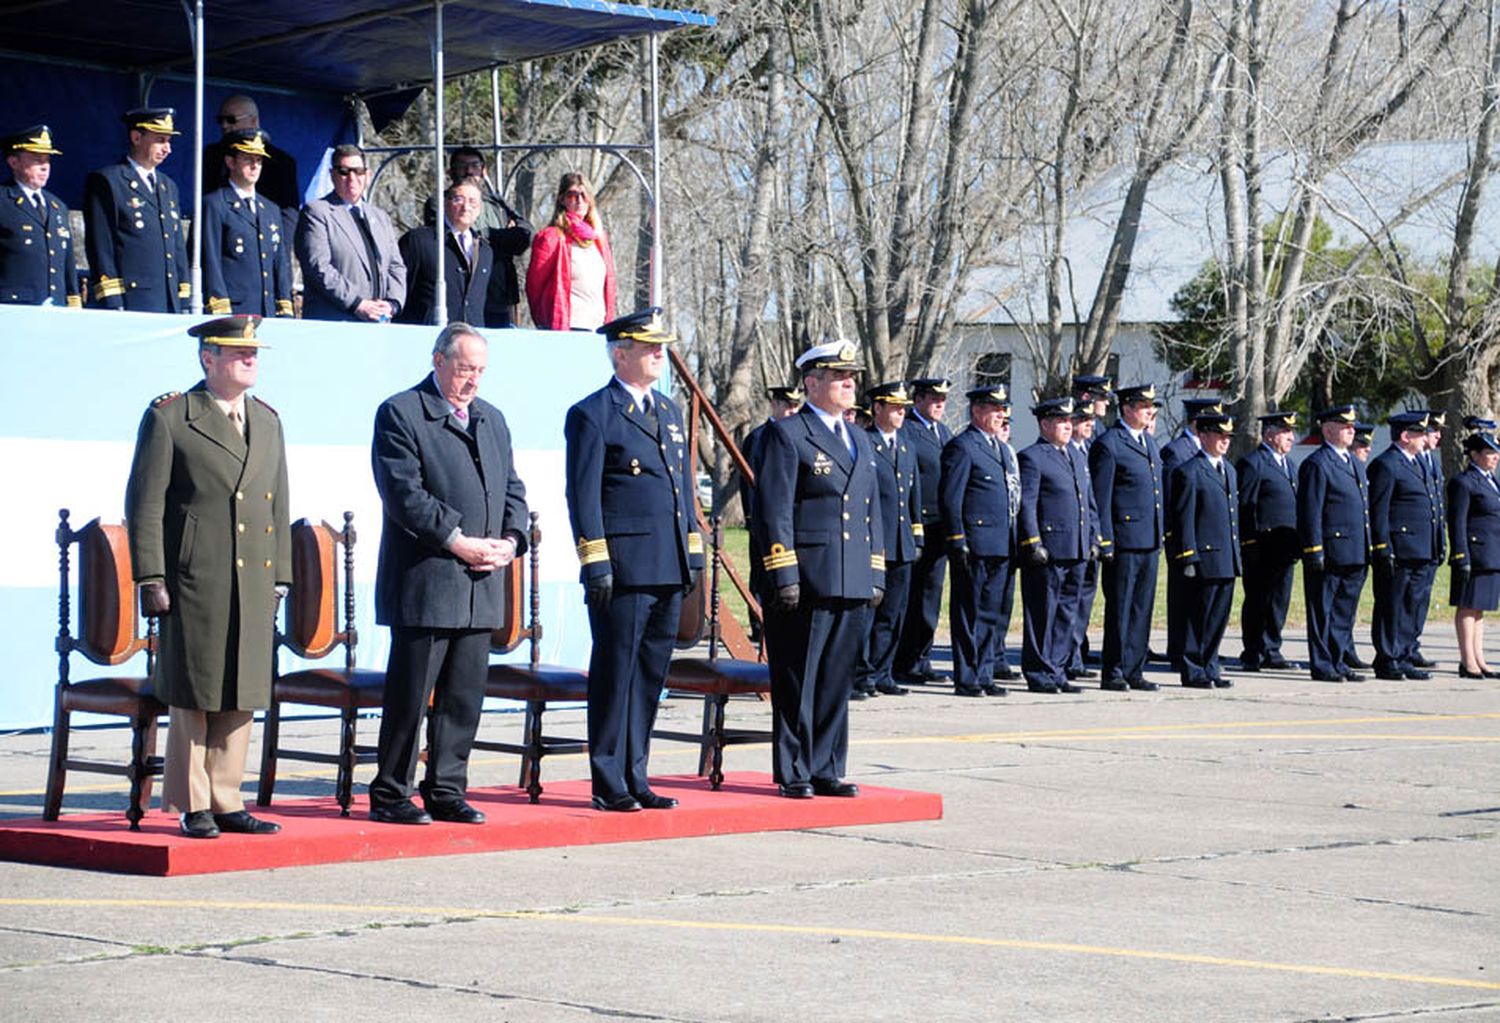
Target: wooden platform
[[314, 833]]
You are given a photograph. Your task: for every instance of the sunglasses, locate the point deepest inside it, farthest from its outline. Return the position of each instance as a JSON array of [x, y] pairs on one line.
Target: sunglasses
[[576, 195], [230, 118], [344, 172]]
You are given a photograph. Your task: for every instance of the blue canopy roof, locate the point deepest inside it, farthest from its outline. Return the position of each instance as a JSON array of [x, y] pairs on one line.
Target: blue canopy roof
[[339, 46]]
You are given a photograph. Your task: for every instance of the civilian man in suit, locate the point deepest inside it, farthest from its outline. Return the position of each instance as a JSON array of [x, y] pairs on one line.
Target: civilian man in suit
[[136, 241], [210, 545], [1206, 545], [631, 505], [247, 261], [1126, 472], [1057, 541], [37, 264], [351, 262], [979, 533], [455, 511], [1268, 534], [901, 511], [1405, 533], [466, 268], [1333, 522], [508, 233], [278, 180], [925, 433], [818, 518], [1178, 450]]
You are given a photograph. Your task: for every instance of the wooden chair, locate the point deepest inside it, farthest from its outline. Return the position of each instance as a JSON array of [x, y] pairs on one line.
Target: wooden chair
[[716, 679], [108, 634], [311, 633], [534, 683]]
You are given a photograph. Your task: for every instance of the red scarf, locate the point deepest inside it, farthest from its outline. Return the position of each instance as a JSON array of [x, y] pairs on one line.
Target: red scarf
[[580, 230]]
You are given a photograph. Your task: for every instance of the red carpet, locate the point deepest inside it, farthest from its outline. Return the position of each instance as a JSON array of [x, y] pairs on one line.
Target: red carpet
[[313, 832]]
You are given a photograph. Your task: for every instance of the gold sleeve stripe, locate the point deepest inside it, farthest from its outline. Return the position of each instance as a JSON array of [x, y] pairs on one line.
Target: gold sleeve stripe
[[1248, 543], [184, 290], [284, 307], [1312, 550], [1030, 540], [1379, 547], [108, 287], [220, 306], [1106, 543], [1186, 554], [591, 551], [695, 542], [1459, 557], [877, 562], [916, 529], [75, 302], [779, 557]]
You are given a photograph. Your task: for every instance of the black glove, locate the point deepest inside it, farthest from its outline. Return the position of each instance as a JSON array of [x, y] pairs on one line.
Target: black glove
[[788, 597], [877, 597], [1461, 570], [1313, 562], [155, 601], [1386, 559], [694, 574], [1038, 555], [599, 590], [1093, 552], [1107, 555], [1190, 571]]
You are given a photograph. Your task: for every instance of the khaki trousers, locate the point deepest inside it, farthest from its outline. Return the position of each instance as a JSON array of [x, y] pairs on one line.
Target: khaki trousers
[[205, 760]]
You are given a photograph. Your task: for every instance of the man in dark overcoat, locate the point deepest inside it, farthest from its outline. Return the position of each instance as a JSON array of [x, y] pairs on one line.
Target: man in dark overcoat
[[631, 506], [1173, 453], [1206, 546], [1268, 535], [1406, 528], [468, 262], [925, 433], [210, 545], [785, 401], [455, 512]]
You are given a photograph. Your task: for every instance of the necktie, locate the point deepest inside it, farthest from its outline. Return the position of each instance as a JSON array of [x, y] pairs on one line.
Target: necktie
[[843, 436], [36, 201], [370, 248], [648, 409], [151, 181], [237, 421], [461, 414]]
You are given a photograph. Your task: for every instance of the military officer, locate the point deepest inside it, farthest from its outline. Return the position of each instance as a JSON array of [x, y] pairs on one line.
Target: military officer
[[1094, 392], [1127, 476], [1206, 544], [785, 401], [631, 505], [1056, 541], [1182, 447], [136, 241], [210, 545], [1364, 439], [979, 533], [1085, 402], [37, 264], [1405, 531], [1003, 670], [818, 518], [1433, 465], [925, 433], [247, 262], [1473, 507], [1268, 536], [901, 511], [1333, 522]]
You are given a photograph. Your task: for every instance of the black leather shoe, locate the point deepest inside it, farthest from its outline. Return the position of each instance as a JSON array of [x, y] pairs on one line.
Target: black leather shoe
[[1466, 673], [1005, 673], [403, 812], [623, 803], [1423, 661], [651, 801], [1249, 664], [1115, 685], [1144, 686], [891, 689], [967, 691], [857, 694], [1223, 683], [834, 787], [1277, 663], [1417, 674], [796, 789], [1390, 676], [1075, 674], [1067, 687], [241, 823], [1353, 676], [1039, 687], [995, 690], [198, 824], [1351, 660], [1198, 683], [1318, 676], [455, 812]]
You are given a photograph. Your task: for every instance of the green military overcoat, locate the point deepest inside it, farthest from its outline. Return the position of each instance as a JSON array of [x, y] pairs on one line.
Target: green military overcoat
[[207, 513]]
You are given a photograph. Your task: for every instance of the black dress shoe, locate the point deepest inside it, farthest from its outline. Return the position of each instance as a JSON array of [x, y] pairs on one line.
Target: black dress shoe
[[241, 823], [651, 801], [1198, 683], [995, 690], [1143, 685], [623, 803], [796, 789], [1390, 676], [968, 691], [1074, 674], [857, 694], [891, 689], [1466, 673], [1249, 664], [834, 787], [1067, 687], [1417, 675], [198, 824], [1318, 676], [403, 812], [1423, 661], [1040, 687], [1353, 676], [1276, 663], [1223, 683], [1115, 685], [1351, 660], [455, 812], [1005, 673], [1152, 655]]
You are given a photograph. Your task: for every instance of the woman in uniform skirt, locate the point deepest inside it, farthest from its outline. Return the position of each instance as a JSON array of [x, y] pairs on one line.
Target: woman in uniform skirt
[[1474, 539]]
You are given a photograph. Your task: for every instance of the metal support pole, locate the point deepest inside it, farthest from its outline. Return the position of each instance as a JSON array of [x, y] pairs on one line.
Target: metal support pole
[[440, 228], [497, 127], [196, 274], [656, 218]]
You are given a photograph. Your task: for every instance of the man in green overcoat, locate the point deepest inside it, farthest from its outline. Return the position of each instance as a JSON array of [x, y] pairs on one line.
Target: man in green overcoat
[[206, 508]]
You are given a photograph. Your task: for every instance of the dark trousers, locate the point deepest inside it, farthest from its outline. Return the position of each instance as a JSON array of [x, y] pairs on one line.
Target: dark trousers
[[1129, 599], [885, 627], [1332, 601], [1176, 613], [1399, 593], [1423, 597], [925, 601], [633, 636], [447, 666], [1049, 599], [1007, 610], [974, 618], [812, 652], [1087, 589], [1207, 602], [1269, 567]]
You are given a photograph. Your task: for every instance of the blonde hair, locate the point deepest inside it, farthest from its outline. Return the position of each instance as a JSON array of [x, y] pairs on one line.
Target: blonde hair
[[570, 181]]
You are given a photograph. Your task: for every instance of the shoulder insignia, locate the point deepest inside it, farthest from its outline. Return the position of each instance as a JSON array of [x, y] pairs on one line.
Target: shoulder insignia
[[170, 396], [262, 402]]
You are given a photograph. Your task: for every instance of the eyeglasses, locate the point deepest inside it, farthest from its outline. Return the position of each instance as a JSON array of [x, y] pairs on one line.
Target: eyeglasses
[[344, 172], [463, 200], [231, 118]]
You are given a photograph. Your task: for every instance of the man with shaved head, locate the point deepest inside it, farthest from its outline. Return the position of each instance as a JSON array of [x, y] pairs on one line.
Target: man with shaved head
[[278, 181]]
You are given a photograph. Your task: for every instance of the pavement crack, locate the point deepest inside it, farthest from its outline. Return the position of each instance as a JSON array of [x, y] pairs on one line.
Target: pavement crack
[[1416, 1013]]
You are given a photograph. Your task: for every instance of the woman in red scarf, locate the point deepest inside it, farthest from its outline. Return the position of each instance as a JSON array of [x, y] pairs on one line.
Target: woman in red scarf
[[570, 284]]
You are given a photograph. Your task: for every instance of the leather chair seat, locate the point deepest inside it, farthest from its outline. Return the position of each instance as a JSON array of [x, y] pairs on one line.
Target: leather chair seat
[[726, 677], [120, 696], [332, 687], [547, 682]]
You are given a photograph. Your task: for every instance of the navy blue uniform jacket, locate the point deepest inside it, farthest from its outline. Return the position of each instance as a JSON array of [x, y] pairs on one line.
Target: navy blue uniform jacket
[[1206, 518], [1474, 521], [817, 511], [247, 256], [1127, 479], [1404, 517], [900, 502], [929, 450], [1333, 508], [136, 242], [630, 501], [1057, 503], [434, 476], [36, 251], [973, 495], [1268, 497]]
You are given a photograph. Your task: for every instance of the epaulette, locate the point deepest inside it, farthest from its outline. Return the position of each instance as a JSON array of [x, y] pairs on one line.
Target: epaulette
[[268, 408], [163, 399]]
